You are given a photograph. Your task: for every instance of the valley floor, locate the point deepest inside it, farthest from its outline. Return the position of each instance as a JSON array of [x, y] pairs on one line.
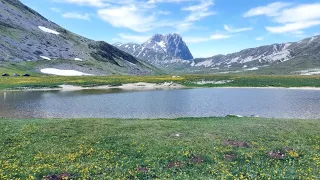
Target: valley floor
[[188, 148], [45, 82]]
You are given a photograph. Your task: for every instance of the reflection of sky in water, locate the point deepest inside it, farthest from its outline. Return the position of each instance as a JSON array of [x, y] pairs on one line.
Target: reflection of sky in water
[[282, 103]]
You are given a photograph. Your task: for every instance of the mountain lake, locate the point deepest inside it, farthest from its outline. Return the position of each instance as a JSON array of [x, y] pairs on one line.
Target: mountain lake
[[198, 102]]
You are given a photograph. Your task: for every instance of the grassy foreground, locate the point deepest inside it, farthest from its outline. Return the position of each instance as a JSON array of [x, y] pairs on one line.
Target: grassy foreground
[[187, 80], [188, 148]]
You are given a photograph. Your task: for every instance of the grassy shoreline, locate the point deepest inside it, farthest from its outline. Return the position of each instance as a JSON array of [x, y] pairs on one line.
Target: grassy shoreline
[[185, 80], [184, 148]]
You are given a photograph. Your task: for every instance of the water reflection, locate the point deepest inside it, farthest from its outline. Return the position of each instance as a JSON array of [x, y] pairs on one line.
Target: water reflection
[[114, 103]]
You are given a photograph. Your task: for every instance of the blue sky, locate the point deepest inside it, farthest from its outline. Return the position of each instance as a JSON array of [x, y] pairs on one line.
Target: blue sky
[[209, 27]]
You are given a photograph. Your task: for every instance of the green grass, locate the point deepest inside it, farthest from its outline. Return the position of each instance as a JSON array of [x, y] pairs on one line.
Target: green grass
[[148, 149], [188, 80]]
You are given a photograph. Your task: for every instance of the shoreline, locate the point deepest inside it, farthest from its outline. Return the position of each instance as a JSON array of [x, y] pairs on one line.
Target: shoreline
[[143, 86], [293, 88]]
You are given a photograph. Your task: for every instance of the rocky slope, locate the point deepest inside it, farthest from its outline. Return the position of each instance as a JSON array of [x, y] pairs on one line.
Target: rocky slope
[[159, 50], [26, 36], [308, 48]]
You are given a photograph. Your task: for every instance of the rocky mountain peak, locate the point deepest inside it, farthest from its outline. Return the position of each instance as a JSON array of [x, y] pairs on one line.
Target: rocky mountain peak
[[171, 44], [159, 49]]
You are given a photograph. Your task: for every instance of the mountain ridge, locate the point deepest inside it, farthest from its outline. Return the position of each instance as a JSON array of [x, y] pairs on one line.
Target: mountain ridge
[[27, 36], [266, 54], [254, 58]]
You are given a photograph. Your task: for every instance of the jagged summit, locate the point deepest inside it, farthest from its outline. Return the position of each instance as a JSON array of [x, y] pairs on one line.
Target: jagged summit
[[159, 48]]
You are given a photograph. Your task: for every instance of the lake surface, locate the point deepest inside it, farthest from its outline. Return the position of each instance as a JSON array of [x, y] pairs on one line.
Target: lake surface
[[203, 102]]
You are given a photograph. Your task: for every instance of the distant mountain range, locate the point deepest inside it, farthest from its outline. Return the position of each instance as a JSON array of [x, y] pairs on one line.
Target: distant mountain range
[[159, 49], [264, 55], [171, 51], [26, 36]]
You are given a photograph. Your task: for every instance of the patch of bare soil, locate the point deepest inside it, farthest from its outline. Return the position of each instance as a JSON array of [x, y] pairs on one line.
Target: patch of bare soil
[[175, 164], [62, 176], [143, 169], [197, 160], [277, 155], [230, 157], [281, 154], [237, 143]]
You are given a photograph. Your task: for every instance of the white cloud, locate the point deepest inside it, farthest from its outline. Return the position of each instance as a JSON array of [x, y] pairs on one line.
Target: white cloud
[[260, 38], [74, 15], [291, 19], [144, 15], [199, 11], [301, 13], [133, 38], [55, 10], [220, 36], [129, 17], [164, 12], [96, 3], [205, 39], [231, 30], [204, 5], [293, 27], [269, 10], [168, 1], [298, 32], [195, 39]]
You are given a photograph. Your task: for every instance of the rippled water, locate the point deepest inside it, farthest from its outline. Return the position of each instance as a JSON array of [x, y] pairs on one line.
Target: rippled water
[[279, 103]]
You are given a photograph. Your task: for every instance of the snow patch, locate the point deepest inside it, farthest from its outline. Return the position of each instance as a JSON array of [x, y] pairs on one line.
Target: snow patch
[[162, 44], [60, 72], [46, 58], [275, 49], [247, 59], [286, 45], [47, 30], [206, 63], [131, 63], [78, 59], [252, 69], [279, 56], [174, 61], [309, 72], [234, 60], [312, 39]]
